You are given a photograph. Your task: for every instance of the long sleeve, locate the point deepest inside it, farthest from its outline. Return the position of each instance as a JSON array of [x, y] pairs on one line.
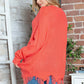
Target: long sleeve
[[37, 39]]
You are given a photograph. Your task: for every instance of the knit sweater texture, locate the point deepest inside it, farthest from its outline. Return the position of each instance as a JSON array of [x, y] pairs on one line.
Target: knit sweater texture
[[45, 53]]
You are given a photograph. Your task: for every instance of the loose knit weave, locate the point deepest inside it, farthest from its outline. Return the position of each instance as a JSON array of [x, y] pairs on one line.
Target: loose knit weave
[[45, 53]]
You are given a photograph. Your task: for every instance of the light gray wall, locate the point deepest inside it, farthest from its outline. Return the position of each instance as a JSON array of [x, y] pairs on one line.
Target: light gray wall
[[21, 23]]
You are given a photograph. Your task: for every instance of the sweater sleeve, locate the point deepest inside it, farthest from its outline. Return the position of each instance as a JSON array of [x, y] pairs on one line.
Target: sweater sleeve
[[37, 39]]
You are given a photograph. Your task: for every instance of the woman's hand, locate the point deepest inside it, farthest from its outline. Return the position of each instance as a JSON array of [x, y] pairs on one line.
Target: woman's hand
[[17, 66]]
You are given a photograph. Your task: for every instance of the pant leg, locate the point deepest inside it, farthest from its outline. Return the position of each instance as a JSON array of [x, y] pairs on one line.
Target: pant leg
[[33, 81], [44, 82]]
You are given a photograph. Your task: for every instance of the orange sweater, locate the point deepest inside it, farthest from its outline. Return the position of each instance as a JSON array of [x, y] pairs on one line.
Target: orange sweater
[[45, 53]]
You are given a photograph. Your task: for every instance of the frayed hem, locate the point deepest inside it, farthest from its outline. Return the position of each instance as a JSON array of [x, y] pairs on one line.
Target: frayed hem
[[40, 81]]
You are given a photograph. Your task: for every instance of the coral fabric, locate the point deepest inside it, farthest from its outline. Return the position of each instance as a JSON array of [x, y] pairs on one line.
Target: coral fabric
[[45, 53]]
